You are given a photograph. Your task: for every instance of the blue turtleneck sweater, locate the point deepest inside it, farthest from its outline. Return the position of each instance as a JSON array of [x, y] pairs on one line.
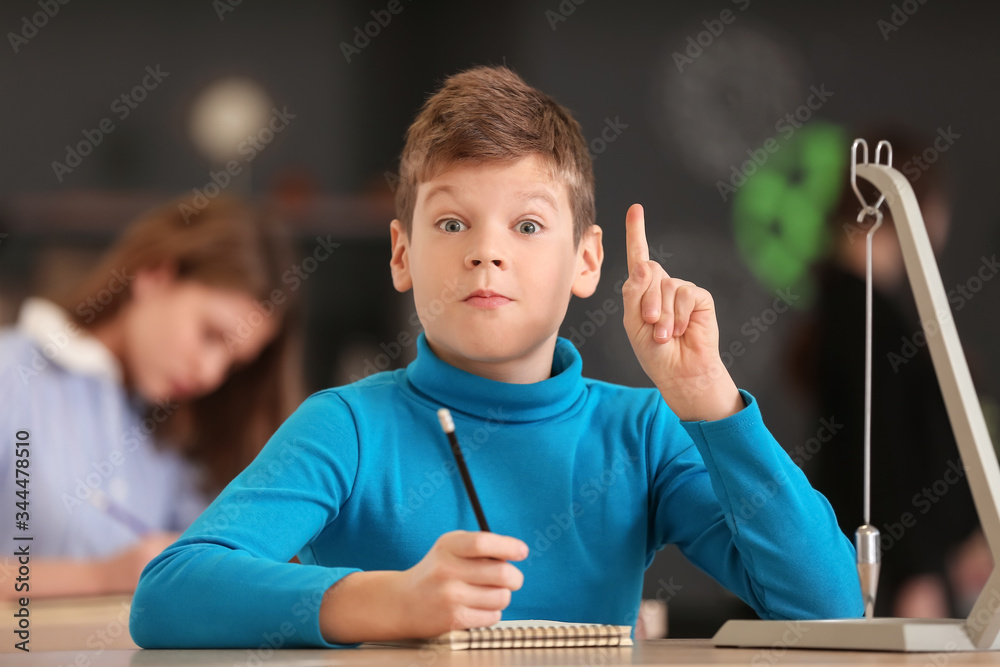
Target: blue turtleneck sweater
[[594, 477]]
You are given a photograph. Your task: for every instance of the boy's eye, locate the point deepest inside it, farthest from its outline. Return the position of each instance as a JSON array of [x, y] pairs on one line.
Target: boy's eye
[[452, 225], [527, 227]]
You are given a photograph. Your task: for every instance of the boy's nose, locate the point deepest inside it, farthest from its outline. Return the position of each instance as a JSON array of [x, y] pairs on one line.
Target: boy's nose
[[485, 253], [486, 246]]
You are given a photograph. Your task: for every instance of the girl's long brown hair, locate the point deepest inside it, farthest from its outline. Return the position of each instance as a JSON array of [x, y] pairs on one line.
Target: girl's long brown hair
[[225, 243]]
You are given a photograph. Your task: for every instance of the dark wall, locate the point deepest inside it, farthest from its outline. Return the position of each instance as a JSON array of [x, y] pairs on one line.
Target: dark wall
[[608, 61]]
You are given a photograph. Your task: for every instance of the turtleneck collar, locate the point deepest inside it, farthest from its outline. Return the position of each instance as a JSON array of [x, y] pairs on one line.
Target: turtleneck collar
[[481, 398]]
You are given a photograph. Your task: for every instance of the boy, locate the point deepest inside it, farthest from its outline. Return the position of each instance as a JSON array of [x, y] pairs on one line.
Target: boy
[[495, 232]]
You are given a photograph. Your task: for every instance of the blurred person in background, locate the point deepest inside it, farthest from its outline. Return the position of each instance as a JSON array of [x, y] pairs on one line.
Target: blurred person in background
[[928, 537], [143, 391]]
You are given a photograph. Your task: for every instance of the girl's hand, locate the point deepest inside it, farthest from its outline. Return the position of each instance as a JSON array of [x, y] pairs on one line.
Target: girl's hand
[[123, 569]]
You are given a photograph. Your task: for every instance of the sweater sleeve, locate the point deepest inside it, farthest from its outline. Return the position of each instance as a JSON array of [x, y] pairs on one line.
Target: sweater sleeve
[[741, 510], [227, 581]]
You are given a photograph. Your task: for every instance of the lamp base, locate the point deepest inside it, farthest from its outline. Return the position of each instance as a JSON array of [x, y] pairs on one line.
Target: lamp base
[[946, 635]]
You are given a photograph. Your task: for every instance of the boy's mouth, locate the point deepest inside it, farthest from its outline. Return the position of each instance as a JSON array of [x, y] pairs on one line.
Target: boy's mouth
[[486, 299]]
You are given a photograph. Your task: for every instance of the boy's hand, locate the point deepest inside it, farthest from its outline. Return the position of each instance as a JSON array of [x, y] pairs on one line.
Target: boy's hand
[[671, 324], [463, 582]]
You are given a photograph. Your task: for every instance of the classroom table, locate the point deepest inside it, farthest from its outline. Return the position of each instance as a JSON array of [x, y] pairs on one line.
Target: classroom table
[[92, 623], [652, 652], [93, 632]]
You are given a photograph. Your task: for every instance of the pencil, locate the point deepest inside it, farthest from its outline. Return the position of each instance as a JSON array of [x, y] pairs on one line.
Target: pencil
[[448, 426], [103, 502]]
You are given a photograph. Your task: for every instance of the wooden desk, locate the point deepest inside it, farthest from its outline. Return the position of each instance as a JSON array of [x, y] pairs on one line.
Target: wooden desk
[[93, 632], [70, 623], [655, 652]]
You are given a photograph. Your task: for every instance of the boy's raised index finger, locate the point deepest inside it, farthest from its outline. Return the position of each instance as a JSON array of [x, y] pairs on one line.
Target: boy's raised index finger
[[635, 236]]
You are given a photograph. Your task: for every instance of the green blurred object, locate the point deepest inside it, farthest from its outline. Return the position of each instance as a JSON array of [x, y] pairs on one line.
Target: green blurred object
[[780, 213]]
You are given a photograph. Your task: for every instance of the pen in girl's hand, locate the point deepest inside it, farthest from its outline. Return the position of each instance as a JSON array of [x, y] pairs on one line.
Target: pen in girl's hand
[[104, 503], [448, 426]]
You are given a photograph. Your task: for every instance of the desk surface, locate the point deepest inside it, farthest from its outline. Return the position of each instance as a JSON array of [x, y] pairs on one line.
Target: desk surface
[[70, 623], [96, 629], [656, 652]]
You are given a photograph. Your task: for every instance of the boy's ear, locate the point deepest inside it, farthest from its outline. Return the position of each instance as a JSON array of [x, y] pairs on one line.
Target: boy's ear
[[589, 257], [400, 260]]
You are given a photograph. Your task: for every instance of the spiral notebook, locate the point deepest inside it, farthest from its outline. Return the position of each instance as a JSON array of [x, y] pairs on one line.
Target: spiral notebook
[[528, 634]]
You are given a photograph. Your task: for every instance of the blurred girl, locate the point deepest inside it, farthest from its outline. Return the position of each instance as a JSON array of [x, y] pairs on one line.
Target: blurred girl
[[142, 392]]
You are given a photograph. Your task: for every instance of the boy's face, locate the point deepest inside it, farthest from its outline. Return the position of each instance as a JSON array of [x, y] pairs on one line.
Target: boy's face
[[491, 261]]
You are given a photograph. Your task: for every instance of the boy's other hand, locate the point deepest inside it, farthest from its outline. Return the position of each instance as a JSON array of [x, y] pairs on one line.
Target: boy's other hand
[[672, 326], [464, 581]]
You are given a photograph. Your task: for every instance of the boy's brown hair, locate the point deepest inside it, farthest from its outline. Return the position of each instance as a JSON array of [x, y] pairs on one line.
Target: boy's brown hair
[[489, 114]]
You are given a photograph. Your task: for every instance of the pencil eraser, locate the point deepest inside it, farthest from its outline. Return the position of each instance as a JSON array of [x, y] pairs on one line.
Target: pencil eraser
[[444, 416]]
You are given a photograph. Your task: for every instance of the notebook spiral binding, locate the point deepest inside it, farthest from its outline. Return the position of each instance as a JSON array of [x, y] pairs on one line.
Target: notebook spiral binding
[[544, 637]]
